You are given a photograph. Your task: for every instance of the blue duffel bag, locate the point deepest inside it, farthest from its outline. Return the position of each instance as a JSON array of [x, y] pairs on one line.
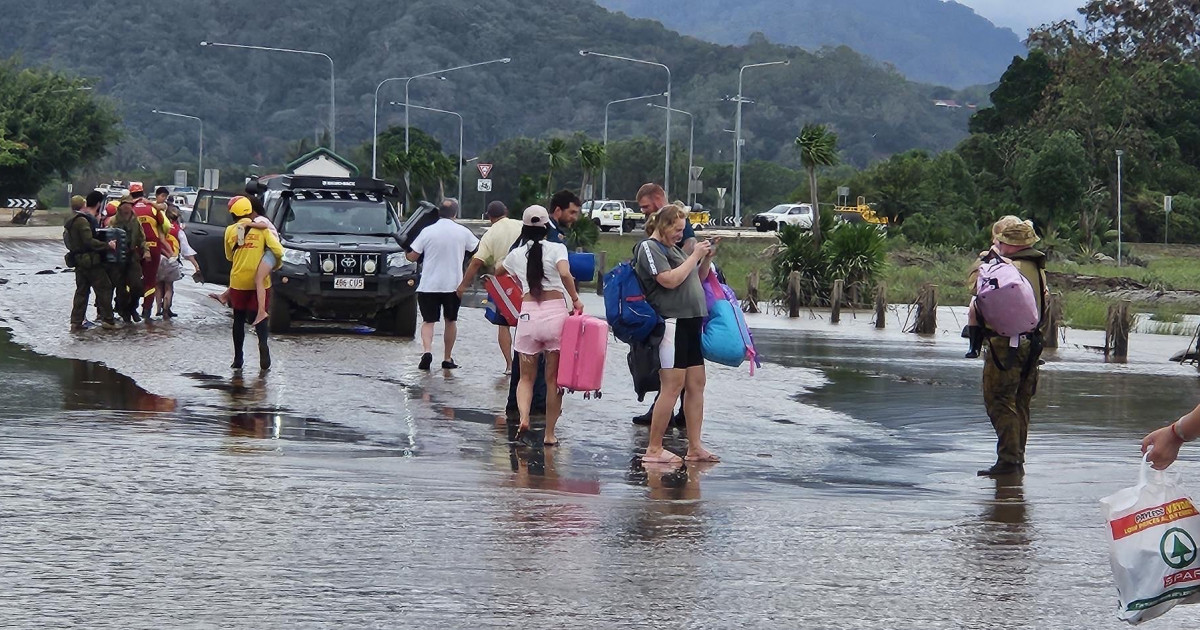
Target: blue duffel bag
[[583, 266]]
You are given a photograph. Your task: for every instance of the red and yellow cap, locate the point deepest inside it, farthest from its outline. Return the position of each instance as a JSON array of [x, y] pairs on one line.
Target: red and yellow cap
[[240, 207]]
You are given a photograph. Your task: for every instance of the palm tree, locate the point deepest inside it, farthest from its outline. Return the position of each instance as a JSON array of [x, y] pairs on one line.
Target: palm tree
[[418, 164], [592, 157], [444, 168], [556, 151], [818, 147]]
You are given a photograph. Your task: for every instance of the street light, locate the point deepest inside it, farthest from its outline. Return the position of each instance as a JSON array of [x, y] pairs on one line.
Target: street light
[[436, 72], [375, 127], [691, 145], [332, 83], [85, 88], [667, 158], [200, 164], [604, 169], [429, 74], [737, 149], [1119, 154], [460, 138]]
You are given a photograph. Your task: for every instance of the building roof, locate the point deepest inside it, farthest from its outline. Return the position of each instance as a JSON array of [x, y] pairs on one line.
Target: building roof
[[322, 151]]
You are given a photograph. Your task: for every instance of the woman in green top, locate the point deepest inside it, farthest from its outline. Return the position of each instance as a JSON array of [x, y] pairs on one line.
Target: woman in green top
[[671, 280]]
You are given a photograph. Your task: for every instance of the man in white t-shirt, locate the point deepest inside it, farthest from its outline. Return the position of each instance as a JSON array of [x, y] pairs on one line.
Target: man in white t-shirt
[[444, 245]]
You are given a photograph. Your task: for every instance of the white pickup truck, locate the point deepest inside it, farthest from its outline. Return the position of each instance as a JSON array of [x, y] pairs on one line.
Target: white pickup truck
[[800, 214], [609, 215]]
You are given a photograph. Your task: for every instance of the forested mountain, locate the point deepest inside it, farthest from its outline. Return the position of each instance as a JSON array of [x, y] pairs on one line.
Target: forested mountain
[[145, 54], [927, 40]]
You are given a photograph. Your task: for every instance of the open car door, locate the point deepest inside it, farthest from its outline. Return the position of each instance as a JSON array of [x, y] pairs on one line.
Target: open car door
[[206, 233]]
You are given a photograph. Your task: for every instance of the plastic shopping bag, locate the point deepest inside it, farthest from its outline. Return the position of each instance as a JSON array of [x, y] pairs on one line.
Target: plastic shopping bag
[[1154, 528]]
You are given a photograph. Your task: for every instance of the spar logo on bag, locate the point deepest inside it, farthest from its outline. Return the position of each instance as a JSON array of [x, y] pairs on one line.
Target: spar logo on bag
[[1178, 550]]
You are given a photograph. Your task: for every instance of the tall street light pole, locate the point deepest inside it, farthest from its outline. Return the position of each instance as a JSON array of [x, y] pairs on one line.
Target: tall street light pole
[[691, 145], [1119, 154], [604, 169], [437, 72], [200, 164], [375, 124], [332, 82], [737, 150], [667, 158], [429, 74], [460, 139]]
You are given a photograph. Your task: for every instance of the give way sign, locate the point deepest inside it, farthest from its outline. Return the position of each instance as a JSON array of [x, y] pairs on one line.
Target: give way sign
[[484, 170]]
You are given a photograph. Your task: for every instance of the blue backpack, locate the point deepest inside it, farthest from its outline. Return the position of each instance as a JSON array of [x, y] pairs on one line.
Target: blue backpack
[[629, 315]]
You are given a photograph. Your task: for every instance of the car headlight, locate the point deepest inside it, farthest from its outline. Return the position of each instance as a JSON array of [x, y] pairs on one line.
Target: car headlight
[[398, 260], [295, 257]]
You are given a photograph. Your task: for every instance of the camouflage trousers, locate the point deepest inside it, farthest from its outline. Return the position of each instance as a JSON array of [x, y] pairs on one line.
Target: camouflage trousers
[[1008, 391], [127, 283], [92, 279]]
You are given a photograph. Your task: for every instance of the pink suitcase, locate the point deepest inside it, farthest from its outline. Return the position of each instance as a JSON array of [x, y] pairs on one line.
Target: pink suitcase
[[581, 361]]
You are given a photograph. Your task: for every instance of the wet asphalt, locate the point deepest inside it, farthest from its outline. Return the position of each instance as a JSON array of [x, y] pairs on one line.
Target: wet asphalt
[[146, 485]]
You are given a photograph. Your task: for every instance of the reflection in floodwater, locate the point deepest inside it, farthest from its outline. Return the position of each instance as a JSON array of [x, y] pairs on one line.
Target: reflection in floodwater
[[36, 382]]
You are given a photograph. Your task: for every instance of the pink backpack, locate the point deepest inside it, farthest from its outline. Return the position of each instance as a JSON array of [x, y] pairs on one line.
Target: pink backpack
[[1005, 301]]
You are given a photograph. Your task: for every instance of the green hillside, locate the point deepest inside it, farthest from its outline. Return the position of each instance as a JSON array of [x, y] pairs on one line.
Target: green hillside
[[145, 54]]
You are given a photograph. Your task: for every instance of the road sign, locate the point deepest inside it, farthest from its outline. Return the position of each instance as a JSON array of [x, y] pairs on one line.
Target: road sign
[[721, 193], [696, 187], [587, 192], [212, 179], [70, 188], [1167, 205], [696, 171], [484, 185], [21, 203], [485, 170], [728, 220], [181, 178], [843, 191]]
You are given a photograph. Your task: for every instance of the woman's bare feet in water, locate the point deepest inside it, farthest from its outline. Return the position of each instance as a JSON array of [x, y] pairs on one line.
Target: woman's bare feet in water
[[662, 456], [220, 297], [262, 315], [701, 455]]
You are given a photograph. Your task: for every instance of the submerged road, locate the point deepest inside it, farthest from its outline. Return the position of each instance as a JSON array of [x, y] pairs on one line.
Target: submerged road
[[144, 485]]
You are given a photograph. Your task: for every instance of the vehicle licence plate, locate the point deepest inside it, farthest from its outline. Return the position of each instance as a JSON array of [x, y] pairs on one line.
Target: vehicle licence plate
[[349, 283]]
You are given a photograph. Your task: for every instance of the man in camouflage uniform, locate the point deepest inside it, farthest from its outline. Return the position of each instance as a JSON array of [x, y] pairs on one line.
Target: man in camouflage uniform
[[87, 256], [1010, 382], [126, 276]]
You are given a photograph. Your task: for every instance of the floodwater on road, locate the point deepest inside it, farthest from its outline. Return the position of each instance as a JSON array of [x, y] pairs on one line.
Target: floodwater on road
[[145, 485]]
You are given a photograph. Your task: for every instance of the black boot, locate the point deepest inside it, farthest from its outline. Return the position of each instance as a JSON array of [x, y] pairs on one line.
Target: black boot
[[264, 349], [1002, 469], [974, 334]]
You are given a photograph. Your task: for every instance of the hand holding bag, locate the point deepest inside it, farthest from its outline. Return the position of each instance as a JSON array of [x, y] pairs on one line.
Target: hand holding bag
[[1154, 528]]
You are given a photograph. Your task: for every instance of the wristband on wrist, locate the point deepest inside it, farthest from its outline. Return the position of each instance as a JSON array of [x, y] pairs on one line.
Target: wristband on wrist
[[1178, 430]]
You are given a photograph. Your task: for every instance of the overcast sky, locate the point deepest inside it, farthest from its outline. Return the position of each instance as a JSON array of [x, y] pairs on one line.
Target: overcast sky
[[1021, 15]]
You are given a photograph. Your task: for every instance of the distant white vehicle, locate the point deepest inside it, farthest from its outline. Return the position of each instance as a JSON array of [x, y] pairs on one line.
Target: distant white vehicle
[[610, 214], [800, 214]]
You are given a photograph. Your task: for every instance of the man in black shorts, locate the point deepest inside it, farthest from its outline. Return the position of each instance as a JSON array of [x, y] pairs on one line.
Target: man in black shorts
[[444, 245]]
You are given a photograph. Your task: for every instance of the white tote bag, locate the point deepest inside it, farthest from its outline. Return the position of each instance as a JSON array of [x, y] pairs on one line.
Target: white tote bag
[[1154, 528]]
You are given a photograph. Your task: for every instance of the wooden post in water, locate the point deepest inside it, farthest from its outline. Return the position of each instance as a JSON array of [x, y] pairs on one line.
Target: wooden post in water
[[835, 301], [1054, 317], [926, 310], [601, 265], [881, 306], [750, 303], [793, 294], [1116, 334]]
